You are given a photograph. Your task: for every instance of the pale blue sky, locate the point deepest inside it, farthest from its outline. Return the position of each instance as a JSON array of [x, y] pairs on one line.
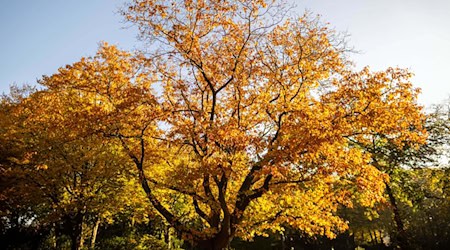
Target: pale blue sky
[[38, 36], [412, 34]]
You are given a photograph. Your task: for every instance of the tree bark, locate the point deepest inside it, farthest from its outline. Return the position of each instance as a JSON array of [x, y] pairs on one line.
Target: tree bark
[[402, 238], [371, 236], [94, 233], [76, 231], [82, 235], [58, 233], [220, 242]]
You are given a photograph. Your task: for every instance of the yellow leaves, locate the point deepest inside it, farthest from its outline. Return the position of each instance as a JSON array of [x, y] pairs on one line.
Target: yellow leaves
[[227, 112], [77, 74], [371, 183], [311, 211], [234, 98], [380, 103]]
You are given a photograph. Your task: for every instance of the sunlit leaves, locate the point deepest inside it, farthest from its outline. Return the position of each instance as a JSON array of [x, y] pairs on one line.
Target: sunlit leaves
[[238, 119], [271, 98]]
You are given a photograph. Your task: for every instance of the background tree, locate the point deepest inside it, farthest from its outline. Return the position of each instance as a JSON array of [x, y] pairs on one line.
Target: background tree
[[18, 205], [74, 177]]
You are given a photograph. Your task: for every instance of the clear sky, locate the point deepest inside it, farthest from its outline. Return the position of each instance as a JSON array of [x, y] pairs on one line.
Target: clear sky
[[39, 36], [413, 34]]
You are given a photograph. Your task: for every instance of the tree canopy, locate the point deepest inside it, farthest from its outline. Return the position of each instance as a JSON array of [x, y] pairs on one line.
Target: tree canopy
[[239, 119]]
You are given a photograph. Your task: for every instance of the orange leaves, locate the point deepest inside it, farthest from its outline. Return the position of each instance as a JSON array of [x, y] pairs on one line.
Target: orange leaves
[[382, 103], [247, 88], [239, 116], [105, 89]]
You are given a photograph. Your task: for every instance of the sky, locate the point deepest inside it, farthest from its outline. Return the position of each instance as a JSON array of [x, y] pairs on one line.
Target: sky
[[39, 36]]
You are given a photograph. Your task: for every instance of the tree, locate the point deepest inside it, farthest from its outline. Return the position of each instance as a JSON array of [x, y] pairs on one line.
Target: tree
[[17, 218], [399, 162], [68, 179], [241, 119]]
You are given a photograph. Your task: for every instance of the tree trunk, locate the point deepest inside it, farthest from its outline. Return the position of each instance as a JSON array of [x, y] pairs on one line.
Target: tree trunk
[[74, 242], [94, 233], [82, 235], [402, 239], [58, 235], [375, 237], [220, 242], [76, 235], [165, 232], [371, 237], [54, 237]]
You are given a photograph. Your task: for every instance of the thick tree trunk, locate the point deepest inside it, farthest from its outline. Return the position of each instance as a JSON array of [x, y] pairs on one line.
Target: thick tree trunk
[[76, 235], [220, 242], [74, 242], [402, 238]]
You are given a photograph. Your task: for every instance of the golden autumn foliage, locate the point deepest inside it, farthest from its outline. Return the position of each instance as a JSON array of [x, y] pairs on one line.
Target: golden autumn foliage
[[240, 120], [57, 171]]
